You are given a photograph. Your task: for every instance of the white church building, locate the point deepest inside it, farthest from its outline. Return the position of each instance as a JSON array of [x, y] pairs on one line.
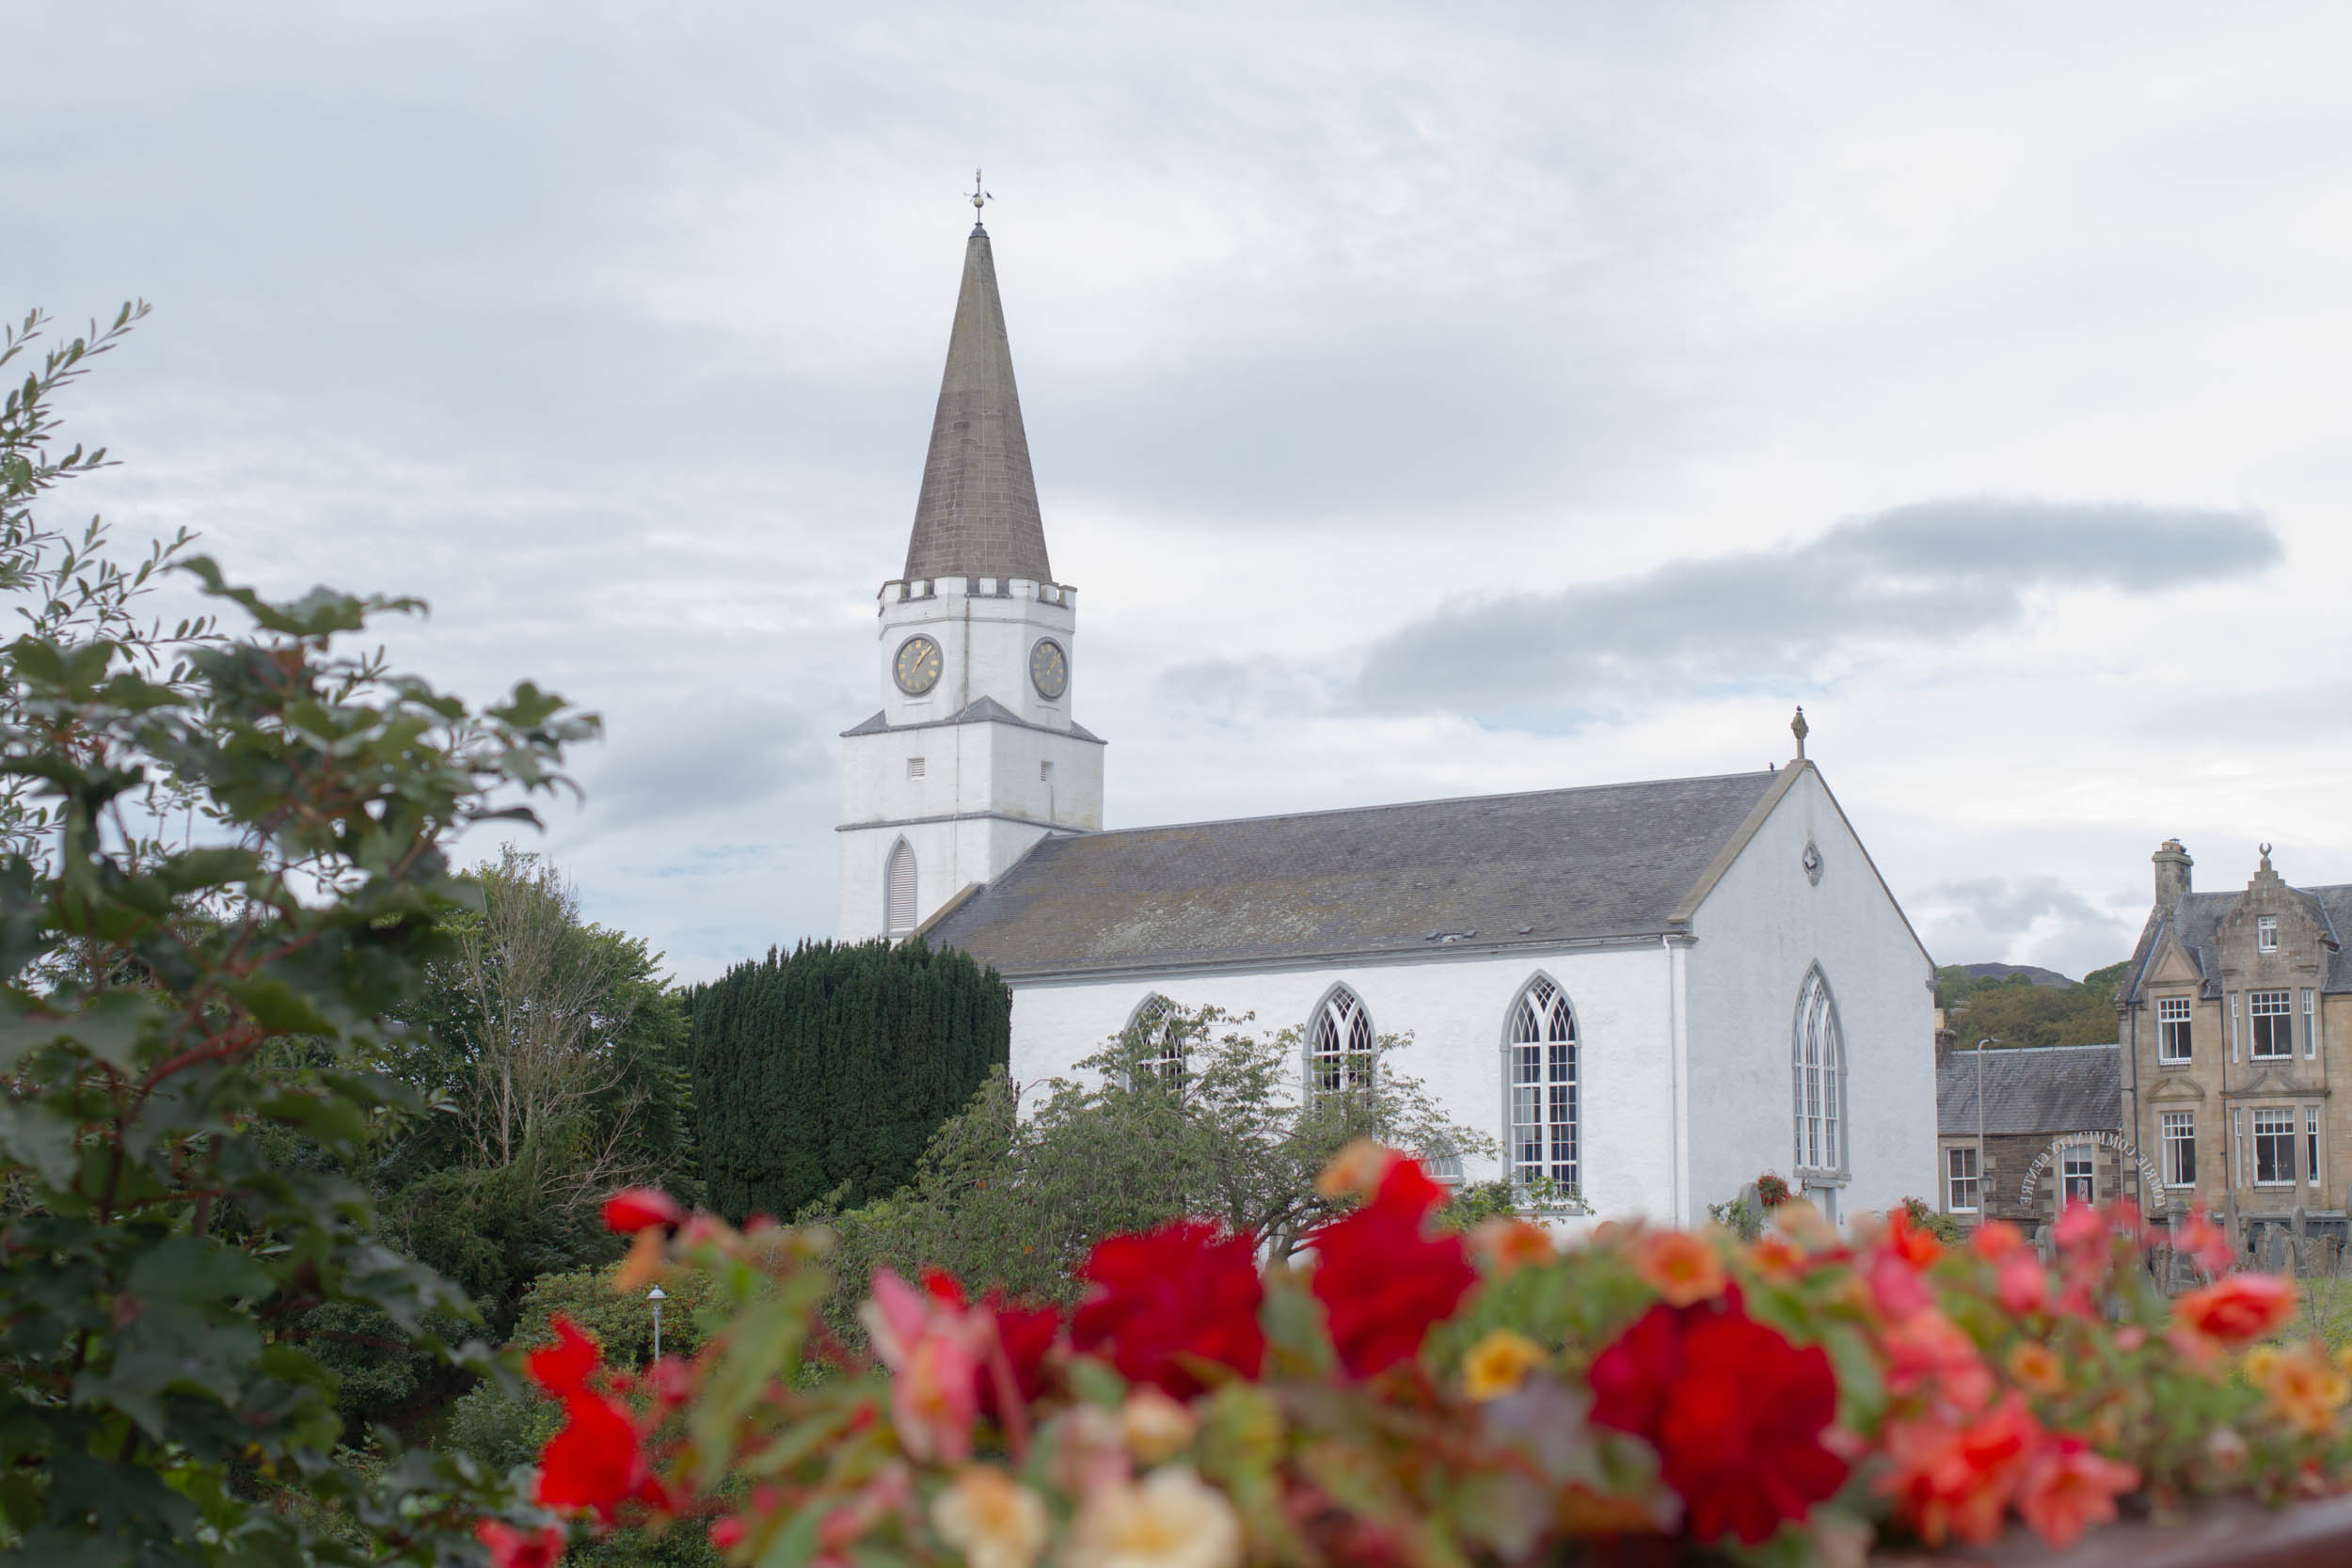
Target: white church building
[[1648, 993]]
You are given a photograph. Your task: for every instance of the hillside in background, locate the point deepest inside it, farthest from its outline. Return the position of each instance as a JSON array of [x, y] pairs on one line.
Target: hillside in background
[[2018, 1004]]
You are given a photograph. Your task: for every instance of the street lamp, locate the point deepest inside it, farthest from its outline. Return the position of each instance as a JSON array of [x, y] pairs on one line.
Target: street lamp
[[657, 1297], [1984, 1187]]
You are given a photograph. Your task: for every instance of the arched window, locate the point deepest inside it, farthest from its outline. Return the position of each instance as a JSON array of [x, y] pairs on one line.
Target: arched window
[[1338, 1045], [898, 890], [1152, 1026], [1819, 1062], [1544, 1101]]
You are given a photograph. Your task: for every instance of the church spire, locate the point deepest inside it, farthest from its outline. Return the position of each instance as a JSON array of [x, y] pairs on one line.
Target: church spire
[[977, 514]]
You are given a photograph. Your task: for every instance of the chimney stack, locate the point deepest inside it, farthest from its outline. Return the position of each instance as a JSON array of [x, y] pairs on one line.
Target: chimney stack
[[2172, 867]]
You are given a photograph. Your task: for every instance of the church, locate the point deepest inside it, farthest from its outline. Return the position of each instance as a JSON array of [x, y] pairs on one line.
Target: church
[[1649, 993]]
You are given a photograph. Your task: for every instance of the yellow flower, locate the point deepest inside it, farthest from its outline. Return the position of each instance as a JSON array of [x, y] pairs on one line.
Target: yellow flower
[[994, 1520], [1155, 1426], [2303, 1386], [1499, 1364], [2036, 1367], [1170, 1521]]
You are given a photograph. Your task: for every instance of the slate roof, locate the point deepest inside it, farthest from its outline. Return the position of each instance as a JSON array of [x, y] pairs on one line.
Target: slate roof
[[2197, 920], [978, 514], [1606, 861], [2049, 1090]]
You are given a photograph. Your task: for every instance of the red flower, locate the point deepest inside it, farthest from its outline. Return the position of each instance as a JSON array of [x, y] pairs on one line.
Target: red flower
[[593, 1461], [514, 1548], [1382, 1282], [2237, 1308], [1735, 1411], [2080, 1228], [635, 1208], [564, 1367], [1028, 1334], [1167, 1302]]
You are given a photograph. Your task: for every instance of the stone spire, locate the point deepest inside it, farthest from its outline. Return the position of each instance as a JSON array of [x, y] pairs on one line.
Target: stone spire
[[977, 514]]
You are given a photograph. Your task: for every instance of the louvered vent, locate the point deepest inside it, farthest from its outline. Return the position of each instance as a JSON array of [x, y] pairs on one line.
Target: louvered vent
[[898, 902]]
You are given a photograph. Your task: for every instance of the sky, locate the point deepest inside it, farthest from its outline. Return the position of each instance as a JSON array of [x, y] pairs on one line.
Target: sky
[[1426, 401]]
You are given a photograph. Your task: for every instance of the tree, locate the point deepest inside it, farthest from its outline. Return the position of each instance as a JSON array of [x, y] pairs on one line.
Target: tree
[[554, 1055], [166, 1006], [2014, 1011], [1182, 1114], [821, 1074]]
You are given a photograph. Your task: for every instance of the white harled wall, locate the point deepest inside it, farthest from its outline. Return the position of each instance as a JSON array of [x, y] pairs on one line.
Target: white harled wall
[[1703, 1023], [1458, 1010], [1755, 936]]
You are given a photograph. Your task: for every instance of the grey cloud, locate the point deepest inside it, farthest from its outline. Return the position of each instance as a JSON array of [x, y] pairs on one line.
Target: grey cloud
[[2021, 920], [1929, 574], [700, 763]]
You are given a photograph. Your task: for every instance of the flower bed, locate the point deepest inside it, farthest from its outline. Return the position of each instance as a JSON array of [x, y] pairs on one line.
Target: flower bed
[[1413, 1396]]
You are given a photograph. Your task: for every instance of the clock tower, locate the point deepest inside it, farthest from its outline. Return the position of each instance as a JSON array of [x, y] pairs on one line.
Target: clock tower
[[975, 755]]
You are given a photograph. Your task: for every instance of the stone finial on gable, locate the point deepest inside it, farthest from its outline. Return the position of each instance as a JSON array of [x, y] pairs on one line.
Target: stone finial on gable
[[1799, 728]]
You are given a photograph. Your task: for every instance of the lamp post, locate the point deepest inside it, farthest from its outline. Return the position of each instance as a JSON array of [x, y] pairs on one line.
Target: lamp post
[[1984, 1187], [657, 1297]]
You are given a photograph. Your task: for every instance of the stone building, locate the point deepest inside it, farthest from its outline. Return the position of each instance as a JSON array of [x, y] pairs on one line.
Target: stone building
[[2018, 1132], [1644, 994], [2236, 1015]]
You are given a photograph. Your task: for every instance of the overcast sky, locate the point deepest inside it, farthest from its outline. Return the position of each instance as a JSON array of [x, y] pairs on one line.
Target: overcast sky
[[1426, 400]]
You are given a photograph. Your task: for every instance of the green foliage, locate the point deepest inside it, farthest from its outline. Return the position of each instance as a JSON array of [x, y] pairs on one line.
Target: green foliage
[[823, 1074], [556, 1056], [1019, 1201], [192, 1035], [1925, 1216], [1478, 1201], [2014, 1011]]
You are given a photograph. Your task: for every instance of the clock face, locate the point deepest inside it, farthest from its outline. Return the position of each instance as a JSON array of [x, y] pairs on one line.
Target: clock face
[[916, 668], [1049, 668]]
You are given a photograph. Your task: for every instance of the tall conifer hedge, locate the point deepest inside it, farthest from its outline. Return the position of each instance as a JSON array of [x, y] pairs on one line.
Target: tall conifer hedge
[[836, 1064]]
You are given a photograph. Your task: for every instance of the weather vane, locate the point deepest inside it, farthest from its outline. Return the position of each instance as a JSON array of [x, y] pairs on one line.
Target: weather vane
[[979, 197]]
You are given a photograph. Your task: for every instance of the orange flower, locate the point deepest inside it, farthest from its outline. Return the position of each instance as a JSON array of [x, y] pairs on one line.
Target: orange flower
[[2036, 1367], [1356, 1170], [1776, 1258], [2301, 1386], [2238, 1309], [1505, 1246], [1906, 1241], [1681, 1267], [2068, 1488], [1803, 1224]]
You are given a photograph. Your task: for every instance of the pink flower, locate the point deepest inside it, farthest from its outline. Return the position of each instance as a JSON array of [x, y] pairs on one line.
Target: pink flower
[[1957, 1480], [2067, 1488], [934, 1349], [2022, 1284], [2206, 1243], [1928, 1349], [2080, 1228], [1897, 1288]]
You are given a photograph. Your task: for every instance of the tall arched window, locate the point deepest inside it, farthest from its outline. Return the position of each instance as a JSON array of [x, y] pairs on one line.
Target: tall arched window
[[1152, 1026], [1819, 1063], [1544, 1099], [898, 890], [1338, 1046]]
